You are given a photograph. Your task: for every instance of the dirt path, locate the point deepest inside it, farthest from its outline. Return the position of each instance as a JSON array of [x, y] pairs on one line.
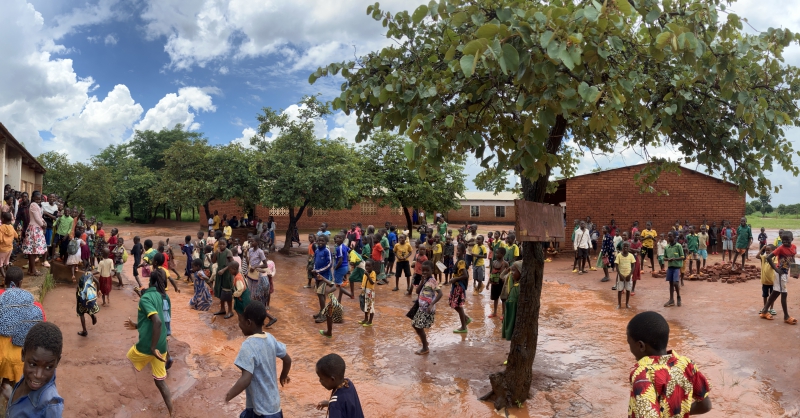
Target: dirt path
[[581, 368]]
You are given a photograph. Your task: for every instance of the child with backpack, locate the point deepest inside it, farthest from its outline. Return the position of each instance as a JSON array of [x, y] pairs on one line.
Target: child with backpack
[[120, 257], [86, 297]]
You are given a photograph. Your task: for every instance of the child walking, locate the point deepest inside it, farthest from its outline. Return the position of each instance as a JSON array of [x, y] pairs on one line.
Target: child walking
[[786, 257], [662, 380], [86, 300], [458, 296], [137, 252], [256, 360], [343, 402], [368, 294], [607, 253], [429, 294], [674, 256], [333, 311], [105, 269], [767, 278]]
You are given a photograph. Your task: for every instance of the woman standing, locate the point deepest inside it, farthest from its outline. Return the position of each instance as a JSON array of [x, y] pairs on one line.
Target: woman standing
[[607, 252], [34, 244]]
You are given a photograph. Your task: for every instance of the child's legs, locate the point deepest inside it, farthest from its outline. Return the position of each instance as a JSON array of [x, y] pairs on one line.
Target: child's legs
[[784, 304], [329, 321], [371, 316], [321, 301], [627, 298], [165, 393], [83, 323], [422, 337], [633, 285], [619, 298], [462, 316], [494, 308]]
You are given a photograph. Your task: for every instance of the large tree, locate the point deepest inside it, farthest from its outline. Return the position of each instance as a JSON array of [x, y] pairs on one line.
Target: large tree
[[86, 185], [394, 182], [132, 181], [297, 170], [510, 80], [185, 177]]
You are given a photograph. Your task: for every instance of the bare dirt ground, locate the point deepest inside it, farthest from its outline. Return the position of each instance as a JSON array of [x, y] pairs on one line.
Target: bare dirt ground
[[581, 367]]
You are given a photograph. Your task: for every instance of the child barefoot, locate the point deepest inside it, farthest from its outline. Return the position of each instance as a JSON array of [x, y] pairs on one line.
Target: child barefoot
[[86, 296], [458, 295], [104, 272], [368, 293], [343, 402], [498, 269], [625, 262], [333, 310], [429, 294]]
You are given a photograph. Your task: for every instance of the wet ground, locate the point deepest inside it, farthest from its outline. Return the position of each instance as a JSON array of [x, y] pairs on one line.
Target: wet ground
[[581, 367]]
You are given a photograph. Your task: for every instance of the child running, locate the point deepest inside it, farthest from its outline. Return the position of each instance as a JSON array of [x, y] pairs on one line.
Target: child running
[[663, 383], [429, 294], [137, 252], [333, 311], [447, 258], [368, 294], [343, 402], [786, 257], [256, 360], [419, 260], [105, 269]]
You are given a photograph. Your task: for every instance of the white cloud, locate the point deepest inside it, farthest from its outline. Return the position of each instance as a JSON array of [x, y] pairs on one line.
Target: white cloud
[[110, 39], [306, 33], [344, 126], [177, 108], [244, 140], [223, 70], [99, 124]]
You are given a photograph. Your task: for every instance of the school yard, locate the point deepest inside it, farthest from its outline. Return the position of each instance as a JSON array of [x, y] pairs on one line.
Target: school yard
[[581, 367]]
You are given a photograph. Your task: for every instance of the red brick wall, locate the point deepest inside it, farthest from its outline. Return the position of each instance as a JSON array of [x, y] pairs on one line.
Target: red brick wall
[[336, 219], [487, 215], [614, 194]]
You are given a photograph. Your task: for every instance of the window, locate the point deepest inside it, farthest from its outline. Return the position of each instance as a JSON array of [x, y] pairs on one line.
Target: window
[[319, 212], [474, 211], [397, 211], [369, 208], [279, 212], [499, 211]]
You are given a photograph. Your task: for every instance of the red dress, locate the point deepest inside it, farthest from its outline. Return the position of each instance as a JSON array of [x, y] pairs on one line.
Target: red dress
[[636, 249]]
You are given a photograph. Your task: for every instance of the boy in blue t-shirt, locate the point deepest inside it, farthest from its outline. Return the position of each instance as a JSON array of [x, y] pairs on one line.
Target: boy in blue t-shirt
[[343, 402], [256, 359], [323, 266], [392, 241]]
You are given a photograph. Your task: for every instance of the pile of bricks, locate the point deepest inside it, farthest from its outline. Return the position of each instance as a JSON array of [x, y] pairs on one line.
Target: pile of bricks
[[659, 274], [726, 273]]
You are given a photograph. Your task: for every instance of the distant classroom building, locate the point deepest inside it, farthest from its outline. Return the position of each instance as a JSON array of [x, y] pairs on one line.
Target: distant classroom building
[[613, 194], [485, 208], [19, 168]]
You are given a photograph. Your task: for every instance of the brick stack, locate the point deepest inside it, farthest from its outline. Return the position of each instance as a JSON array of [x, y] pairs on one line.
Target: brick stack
[[721, 272]]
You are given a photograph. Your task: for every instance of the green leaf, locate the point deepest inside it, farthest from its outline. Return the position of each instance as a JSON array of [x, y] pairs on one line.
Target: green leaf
[[504, 15], [468, 65], [566, 58], [624, 6], [376, 121], [475, 47], [590, 13], [419, 14], [545, 38], [653, 15], [663, 39], [511, 57], [448, 121], [487, 31], [450, 54]]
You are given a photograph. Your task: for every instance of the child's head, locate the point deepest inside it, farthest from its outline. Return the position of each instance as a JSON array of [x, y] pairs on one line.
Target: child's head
[[136, 239], [626, 247], [691, 229], [338, 239], [648, 335], [114, 231], [312, 238], [251, 320], [479, 240], [197, 265], [490, 234], [353, 226], [661, 236], [148, 244], [321, 241], [500, 253], [649, 225], [401, 239], [7, 218], [208, 249], [625, 236], [743, 221], [187, 239], [703, 228], [323, 226], [770, 248], [786, 239], [427, 269], [14, 274], [217, 235], [330, 370], [234, 266], [392, 228], [368, 266], [161, 246], [222, 244], [120, 241], [200, 235], [106, 253], [41, 354], [449, 240], [762, 229], [99, 224]]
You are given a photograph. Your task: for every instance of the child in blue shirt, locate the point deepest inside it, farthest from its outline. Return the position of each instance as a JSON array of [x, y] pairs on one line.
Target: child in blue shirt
[[256, 359], [35, 395], [343, 402]]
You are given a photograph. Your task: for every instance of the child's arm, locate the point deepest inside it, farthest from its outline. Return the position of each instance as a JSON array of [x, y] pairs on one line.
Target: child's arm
[[174, 284], [287, 365], [240, 385], [699, 408]]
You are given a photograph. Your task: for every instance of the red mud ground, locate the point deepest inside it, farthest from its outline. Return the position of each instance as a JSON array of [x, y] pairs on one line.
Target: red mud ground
[[581, 368]]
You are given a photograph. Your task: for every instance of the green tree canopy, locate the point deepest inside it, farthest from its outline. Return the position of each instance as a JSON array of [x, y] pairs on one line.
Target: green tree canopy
[[393, 183], [296, 170], [510, 80], [79, 184]]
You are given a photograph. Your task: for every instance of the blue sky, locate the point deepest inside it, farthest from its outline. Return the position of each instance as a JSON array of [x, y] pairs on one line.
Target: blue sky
[[80, 75]]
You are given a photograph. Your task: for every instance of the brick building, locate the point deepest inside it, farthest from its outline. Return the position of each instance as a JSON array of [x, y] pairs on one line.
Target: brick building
[[17, 166], [485, 208], [366, 213], [613, 194]]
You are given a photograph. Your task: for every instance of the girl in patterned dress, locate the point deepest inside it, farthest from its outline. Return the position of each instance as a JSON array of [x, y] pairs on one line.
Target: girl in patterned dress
[[201, 300], [607, 250], [429, 293], [636, 249], [333, 310], [34, 244]]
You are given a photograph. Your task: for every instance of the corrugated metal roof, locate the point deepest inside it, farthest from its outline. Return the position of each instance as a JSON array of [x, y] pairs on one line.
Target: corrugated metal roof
[[502, 196]]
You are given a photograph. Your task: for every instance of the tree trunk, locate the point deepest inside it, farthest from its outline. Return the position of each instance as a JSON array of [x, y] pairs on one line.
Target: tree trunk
[[178, 213], [408, 223], [512, 386], [205, 207], [130, 208], [287, 245]]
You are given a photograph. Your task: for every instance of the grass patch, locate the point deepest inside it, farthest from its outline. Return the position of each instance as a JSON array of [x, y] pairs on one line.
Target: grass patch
[[48, 285], [774, 222], [110, 218]]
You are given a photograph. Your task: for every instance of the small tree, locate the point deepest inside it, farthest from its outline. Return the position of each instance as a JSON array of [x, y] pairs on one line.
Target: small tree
[[764, 200], [393, 181], [756, 204], [507, 80], [296, 170]]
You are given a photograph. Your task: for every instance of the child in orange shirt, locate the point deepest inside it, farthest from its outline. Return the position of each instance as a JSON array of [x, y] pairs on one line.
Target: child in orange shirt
[[7, 236]]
